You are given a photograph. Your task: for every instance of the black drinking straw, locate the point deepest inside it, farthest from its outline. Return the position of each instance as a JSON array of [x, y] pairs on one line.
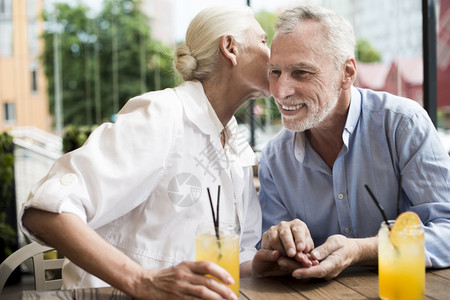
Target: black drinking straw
[[399, 193], [217, 210], [380, 208], [215, 220]]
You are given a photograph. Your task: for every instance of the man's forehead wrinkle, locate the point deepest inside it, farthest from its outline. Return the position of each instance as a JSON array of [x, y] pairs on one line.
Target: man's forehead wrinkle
[[299, 65]]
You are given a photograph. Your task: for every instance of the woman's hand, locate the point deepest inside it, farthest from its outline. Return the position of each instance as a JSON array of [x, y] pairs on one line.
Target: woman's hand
[[186, 280], [80, 243]]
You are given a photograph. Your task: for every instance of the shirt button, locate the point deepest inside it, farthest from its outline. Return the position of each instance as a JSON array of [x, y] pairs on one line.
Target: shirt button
[[69, 179], [347, 230], [340, 196]]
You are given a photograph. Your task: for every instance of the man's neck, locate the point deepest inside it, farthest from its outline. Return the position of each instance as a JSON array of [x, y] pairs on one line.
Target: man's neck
[[327, 146], [326, 139]]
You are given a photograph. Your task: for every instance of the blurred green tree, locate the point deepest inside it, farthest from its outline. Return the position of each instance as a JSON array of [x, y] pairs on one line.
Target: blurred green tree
[[104, 60], [8, 221], [366, 53]]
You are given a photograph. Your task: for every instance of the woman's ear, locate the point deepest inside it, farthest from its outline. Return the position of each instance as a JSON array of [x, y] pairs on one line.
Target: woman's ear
[[228, 48], [349, 73]]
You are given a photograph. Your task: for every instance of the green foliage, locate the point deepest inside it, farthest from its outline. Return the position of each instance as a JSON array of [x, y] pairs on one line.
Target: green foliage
[[366, 53], [105, 60], [7, 233], [6, 168], [75, 136], [271, 111]]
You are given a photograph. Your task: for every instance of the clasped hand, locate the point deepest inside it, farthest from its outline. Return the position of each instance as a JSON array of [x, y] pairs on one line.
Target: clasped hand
[[288, 249]]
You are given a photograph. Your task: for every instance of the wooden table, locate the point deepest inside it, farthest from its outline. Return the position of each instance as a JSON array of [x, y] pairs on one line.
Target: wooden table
[[354, 283]]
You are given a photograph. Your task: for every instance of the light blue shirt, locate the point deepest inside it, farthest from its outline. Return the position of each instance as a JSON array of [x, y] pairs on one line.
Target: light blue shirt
[[384, 136]]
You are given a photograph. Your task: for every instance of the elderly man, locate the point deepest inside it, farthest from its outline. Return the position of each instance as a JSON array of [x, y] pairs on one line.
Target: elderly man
[[318, 217]]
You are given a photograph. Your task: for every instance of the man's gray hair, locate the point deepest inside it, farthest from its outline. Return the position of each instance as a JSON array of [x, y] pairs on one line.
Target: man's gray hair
[[339, 31]]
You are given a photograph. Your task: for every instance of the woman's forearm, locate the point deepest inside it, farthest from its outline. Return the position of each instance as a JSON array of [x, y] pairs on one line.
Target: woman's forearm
[[85, 248]]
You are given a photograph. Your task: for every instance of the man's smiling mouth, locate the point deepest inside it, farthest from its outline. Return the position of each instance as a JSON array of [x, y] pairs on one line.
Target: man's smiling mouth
[[292, 107]]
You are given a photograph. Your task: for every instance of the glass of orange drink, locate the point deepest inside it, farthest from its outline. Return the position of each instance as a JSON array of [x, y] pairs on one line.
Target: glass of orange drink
[[401, 258], [222, 250]]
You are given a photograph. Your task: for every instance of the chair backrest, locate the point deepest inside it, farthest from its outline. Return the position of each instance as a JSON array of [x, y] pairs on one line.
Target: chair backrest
[[36, 252]]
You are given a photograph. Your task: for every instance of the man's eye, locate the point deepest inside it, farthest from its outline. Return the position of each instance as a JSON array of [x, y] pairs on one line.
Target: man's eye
[[274, 73], [299, 73]]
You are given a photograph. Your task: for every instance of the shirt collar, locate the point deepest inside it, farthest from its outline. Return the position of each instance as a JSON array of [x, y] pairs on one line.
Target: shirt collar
[[196, 105], [299, 146], [354, 111]]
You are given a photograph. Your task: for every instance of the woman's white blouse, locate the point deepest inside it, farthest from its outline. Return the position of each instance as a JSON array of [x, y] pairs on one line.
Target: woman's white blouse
[[141, 182]]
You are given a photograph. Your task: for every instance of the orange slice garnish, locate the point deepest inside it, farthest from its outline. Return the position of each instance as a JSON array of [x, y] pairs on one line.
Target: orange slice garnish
[[406, 222]]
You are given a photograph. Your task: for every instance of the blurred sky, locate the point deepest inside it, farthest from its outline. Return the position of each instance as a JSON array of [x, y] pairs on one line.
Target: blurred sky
[[187, 9]]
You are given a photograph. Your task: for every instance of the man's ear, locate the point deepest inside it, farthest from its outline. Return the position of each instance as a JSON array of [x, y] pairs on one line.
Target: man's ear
[[349, 73], [228, 48]]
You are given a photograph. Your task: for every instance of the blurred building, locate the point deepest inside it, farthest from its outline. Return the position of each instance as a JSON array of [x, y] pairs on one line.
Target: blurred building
[[23, 86], [24, 107], [443, 62], [403, 76], [371, 75], [162, 20], [394, 28]]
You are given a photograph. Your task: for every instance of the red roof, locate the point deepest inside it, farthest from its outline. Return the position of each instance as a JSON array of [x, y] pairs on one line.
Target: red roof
[[411, 69], [371, 75]]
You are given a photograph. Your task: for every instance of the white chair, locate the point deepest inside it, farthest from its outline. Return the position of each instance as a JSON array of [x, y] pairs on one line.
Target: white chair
[[36, 252]]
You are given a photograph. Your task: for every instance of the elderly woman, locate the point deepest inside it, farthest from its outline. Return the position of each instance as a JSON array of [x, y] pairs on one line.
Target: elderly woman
[[124, 208]]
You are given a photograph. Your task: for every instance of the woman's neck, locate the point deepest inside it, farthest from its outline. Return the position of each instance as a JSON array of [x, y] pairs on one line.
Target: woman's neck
[[224, 99]]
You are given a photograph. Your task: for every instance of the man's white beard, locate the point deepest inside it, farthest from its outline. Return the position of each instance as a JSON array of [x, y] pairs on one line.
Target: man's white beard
[[312, 118]]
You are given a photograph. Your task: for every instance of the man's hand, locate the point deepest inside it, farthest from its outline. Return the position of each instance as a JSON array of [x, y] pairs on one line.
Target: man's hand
[[337, 253], [292, 239], [295, 254]]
